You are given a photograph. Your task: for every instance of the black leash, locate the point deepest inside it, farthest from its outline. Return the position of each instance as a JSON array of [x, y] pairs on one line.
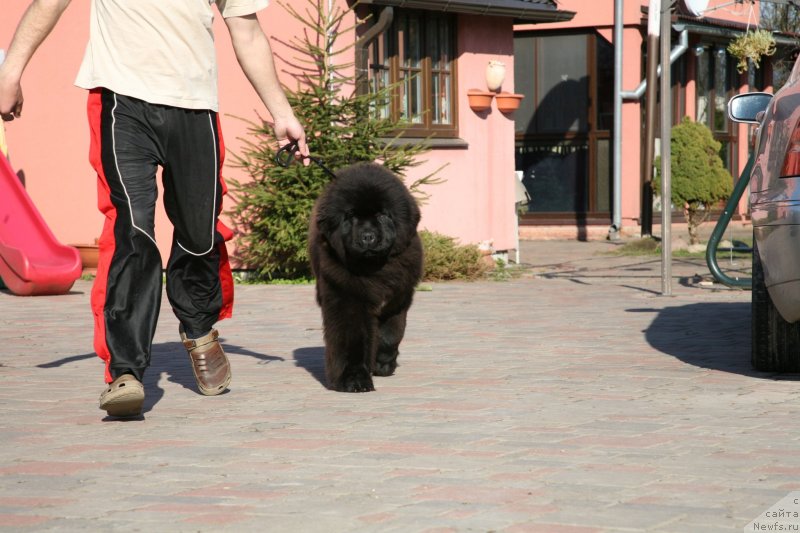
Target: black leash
[[287, 153]]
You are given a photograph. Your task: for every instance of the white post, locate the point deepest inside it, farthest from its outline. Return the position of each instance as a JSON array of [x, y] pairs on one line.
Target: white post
[[666, 134], [616, 224]]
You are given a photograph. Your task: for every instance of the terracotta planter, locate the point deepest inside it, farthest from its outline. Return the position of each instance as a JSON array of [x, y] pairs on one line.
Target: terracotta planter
[[90, 254], [508, 102], [479, 100]]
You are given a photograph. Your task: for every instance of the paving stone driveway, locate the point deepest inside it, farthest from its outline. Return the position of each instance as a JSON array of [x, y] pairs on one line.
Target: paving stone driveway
[[575, 398]]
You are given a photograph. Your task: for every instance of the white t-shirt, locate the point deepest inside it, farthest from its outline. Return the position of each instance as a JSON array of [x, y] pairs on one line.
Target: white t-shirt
[[159, 51]]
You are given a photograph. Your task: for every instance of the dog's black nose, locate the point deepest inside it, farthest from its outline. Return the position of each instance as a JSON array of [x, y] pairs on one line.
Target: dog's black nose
[[368, 239]]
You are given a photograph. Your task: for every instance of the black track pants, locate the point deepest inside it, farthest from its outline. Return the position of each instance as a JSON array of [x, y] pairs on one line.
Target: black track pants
[[130, 139]]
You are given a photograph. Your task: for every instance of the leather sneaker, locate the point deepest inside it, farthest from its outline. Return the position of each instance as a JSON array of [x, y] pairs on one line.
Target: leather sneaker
[[123, 397], [209, 363]]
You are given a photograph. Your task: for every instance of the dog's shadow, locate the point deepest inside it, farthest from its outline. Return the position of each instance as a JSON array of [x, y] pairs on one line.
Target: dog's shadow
[[312, 360]]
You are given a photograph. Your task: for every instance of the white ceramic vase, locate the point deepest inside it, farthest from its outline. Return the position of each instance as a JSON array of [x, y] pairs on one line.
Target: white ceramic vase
[[495, 75]]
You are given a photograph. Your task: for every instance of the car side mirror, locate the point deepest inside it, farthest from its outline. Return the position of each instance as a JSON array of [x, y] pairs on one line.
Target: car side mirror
[[748, 107]]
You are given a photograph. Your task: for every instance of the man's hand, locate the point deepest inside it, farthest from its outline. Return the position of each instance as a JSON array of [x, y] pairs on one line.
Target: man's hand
[[34, 26], [289, 130], [10, 98]]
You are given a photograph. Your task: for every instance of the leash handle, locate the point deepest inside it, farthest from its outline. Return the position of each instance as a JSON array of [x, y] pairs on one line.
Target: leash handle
[[288, 153]]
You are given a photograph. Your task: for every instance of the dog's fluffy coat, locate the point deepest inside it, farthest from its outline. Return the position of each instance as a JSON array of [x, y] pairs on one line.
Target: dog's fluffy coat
[[367, 259]]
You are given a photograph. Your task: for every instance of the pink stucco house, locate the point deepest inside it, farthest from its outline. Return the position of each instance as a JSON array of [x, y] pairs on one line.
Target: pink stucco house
[[449, 42], [558, 144]]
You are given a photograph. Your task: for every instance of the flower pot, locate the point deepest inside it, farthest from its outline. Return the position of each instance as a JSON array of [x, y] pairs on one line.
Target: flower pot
[[495, 75], [90, 254], [479, 100], [508, 102]]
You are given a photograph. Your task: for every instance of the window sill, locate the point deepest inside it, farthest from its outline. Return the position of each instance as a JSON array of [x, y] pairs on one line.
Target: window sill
[[432, 142]]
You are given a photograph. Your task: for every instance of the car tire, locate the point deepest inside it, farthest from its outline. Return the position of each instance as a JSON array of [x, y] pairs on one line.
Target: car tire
[[775, 342]]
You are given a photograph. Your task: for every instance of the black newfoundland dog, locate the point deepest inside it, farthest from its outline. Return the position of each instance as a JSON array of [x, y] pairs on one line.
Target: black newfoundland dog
[[367, 259]]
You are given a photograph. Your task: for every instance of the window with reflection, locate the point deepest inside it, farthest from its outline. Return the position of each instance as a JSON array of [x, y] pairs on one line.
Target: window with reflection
[[717, 79], [415, 59], [563, 126]]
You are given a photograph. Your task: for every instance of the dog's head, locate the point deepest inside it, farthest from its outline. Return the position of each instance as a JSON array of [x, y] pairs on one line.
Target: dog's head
[[367, 214]]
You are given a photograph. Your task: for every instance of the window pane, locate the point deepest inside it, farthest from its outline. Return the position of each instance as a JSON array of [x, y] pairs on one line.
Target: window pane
[[554, 173], [721, 85], [524, 47], [379, 72], [703, 87], [433, 41], [436, 104], [446, 98], [445, 38], [438, 49], [605, 84], [603, 185], [412, 43], [562, 88], [411, 98]]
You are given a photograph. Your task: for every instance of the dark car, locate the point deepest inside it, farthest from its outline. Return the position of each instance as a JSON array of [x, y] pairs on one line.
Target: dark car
[[775, 212]]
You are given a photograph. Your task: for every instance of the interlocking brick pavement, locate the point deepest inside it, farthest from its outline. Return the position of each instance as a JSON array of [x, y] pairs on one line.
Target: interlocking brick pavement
[[575, 398]]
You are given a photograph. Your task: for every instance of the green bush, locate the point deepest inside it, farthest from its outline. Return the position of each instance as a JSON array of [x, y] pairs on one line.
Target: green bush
[[699, 179], [272, 209], [446, 260]]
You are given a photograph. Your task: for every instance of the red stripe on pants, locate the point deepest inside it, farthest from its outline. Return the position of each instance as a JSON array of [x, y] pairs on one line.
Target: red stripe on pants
[[225, 275], [98, 299]]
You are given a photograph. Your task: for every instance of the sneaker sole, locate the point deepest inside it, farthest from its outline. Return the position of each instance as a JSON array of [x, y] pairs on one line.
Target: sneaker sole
[[124, 405]]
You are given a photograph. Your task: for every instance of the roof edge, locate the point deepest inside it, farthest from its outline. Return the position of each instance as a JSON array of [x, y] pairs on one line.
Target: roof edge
[[521, 11]]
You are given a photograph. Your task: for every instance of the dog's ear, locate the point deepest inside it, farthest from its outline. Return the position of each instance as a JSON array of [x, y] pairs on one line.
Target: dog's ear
[[416, 215]]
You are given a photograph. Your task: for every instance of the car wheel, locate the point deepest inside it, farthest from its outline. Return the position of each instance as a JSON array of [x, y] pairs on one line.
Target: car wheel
[[775, 342]]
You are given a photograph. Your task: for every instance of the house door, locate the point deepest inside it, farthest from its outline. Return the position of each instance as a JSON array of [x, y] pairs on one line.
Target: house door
[[563, 127]]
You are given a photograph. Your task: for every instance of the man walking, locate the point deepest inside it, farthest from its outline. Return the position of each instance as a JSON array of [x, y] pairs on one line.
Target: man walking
[[150, 69]]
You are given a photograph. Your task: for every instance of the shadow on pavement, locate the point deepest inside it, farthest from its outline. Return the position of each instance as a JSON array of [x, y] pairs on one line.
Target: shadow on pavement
[[707, 335], [312, 359], [168, 358]]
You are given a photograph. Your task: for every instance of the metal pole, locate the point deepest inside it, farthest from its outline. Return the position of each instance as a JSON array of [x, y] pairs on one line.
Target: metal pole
[[616, 225], [666, 153], [653, 23]]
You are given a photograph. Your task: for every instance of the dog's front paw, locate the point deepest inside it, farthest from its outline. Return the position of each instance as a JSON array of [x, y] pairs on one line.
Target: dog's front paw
[[384, 368], [355, 380]]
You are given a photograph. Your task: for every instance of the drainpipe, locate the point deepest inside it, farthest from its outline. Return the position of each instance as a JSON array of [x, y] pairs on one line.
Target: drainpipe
[[678, 51], [616, 225], [675, 53], [362, 45], [653, 28]]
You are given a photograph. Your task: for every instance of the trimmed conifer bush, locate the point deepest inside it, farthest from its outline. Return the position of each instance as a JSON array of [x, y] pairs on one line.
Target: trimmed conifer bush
[[699, 179]]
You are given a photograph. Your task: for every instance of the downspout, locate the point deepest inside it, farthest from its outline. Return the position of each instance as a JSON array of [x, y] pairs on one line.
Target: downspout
[[677, 51], [362, 48]]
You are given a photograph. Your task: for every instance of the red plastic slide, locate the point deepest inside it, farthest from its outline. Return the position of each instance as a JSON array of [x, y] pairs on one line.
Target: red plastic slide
[[32, 261]]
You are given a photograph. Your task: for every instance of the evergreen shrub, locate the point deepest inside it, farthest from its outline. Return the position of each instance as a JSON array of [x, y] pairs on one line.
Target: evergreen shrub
[[446, 259], [699, 179]]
